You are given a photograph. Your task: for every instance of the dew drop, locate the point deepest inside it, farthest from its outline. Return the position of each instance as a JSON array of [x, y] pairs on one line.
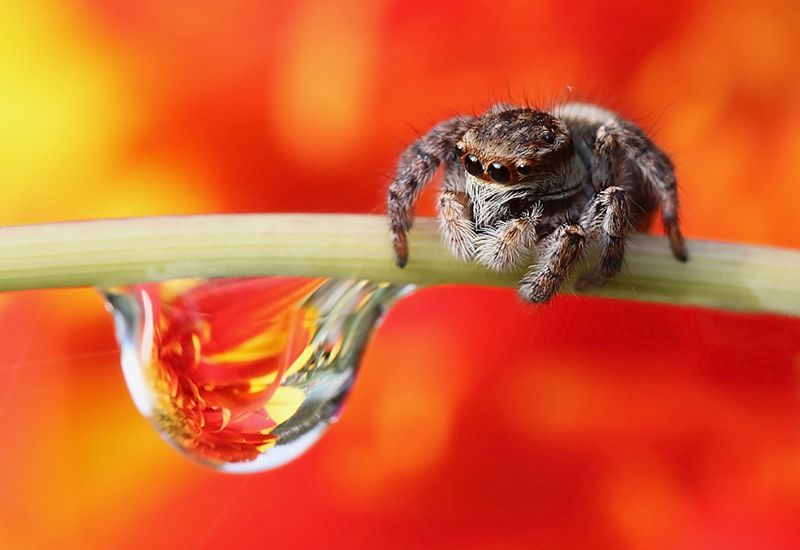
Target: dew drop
[[245, 374]]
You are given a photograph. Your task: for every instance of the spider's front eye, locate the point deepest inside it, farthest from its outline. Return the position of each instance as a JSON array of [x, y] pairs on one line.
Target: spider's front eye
[[459, 150], [499, 173], [473, 165], [524, 170], [549, 137]]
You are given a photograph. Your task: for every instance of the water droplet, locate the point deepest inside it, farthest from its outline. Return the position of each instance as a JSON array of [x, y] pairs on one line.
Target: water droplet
[[245, 374]]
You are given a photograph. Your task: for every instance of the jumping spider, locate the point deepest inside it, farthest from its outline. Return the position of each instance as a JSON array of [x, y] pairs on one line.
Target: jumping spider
[[518, 179]]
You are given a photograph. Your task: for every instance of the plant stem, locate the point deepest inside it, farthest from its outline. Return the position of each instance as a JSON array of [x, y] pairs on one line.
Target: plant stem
[[115, 252]]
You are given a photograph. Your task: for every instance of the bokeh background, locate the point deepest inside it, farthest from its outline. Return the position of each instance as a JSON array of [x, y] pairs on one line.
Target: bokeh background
[[477, 421]]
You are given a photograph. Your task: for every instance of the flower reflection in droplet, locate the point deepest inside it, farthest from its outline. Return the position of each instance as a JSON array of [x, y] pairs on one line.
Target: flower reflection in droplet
[[245, 374]]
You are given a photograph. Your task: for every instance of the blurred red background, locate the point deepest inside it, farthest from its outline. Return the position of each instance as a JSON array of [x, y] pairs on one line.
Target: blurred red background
[[477, 421]]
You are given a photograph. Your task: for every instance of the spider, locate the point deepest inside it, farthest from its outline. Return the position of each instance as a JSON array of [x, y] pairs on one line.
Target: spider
[[519, 180]]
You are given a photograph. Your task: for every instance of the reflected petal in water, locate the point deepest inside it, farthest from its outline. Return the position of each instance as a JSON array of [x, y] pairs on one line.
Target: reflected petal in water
[[245, 374]]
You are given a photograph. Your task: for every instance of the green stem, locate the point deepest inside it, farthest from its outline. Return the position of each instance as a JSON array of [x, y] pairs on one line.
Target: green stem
[[124, 251]]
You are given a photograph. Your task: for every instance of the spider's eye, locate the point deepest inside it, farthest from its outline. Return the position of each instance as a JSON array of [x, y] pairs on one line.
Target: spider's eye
[[549, 137], [473, 165], [459, 150], [499, 173], [524, 170]]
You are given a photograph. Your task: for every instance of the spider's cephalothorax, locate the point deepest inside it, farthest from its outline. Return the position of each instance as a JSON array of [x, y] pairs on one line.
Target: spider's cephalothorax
[[518, 180]]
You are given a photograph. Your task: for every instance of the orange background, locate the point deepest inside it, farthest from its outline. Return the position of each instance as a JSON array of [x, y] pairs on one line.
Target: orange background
[[477, 421]]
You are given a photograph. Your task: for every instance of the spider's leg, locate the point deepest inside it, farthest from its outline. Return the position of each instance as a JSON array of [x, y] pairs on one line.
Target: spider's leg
[[563, 248], [417, 166], [655, 170], [607, 218], [506, 245]]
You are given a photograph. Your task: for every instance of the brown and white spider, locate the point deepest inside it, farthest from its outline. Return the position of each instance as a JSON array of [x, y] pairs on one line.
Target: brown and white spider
[[520, 179]]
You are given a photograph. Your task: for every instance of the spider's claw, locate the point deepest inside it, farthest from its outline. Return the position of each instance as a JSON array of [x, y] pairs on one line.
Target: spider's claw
[[676, 243], [400, 243]]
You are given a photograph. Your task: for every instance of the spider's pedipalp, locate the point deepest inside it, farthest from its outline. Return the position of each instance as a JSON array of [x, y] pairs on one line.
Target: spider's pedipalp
[[509, 243], [456, 225]]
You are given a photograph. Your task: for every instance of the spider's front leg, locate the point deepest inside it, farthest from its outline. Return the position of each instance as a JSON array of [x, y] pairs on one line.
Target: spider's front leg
[[417, 166], [564, 247]]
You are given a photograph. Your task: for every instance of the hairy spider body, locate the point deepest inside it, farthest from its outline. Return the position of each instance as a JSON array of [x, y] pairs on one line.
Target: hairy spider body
[[519, 180]]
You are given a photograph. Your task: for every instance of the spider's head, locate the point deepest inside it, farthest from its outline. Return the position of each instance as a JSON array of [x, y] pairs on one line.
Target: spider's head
[[515, 146]]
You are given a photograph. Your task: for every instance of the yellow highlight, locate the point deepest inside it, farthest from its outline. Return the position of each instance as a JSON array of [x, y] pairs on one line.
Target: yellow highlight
[[226, 418], [284, 403], [261, 383], [69, 116], [267, 344], [270, 443], [301, 361], [64, 111]]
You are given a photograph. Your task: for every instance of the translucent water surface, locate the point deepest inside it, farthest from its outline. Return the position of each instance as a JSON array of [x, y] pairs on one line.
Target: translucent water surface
[[245, 374]]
